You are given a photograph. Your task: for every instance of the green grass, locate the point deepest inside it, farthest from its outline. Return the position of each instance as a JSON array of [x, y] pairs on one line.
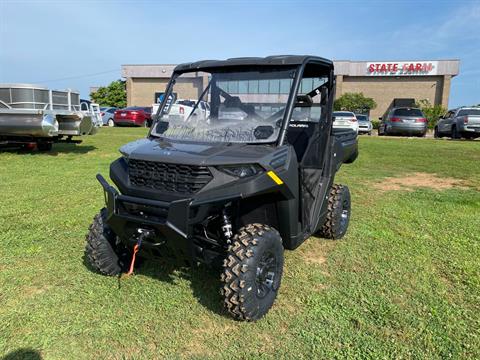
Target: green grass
[[403, 283]]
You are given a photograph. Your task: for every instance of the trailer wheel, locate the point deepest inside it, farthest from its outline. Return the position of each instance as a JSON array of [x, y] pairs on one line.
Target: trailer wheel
[[44, 146], [338, 213], [252, 272], [102, 251]]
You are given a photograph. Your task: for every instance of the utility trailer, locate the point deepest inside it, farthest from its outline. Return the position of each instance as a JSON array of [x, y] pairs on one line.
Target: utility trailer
[[32, 114]]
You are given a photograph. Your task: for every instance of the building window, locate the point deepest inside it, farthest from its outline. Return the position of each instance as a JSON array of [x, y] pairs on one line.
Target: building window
[[263, 86], [285, 85], [253, 86], [243, 87], [233, 87], [274, 87]]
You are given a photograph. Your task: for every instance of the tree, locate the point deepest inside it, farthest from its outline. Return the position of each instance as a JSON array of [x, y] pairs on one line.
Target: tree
[[355, 102], [114, 94], [431, 112]]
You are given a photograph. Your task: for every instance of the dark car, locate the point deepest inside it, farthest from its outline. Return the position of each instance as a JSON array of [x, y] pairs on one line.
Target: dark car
[[133, 115], [404, 121], [232, 192]]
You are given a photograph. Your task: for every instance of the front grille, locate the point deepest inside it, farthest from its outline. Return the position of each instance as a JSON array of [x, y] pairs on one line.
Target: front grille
[[173, 178]]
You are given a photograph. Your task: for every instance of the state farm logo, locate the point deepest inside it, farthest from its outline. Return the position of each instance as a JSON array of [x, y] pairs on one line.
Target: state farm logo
[[402, 68]]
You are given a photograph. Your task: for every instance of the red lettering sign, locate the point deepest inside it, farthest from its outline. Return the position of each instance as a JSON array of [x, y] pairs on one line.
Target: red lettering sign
[[400, 68]]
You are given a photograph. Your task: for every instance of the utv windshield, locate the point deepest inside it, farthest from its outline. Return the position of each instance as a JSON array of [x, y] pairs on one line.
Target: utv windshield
[[240, 106]]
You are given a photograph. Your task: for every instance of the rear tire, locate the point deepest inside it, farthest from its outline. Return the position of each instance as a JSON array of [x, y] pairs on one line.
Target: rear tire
[[455, 134], [103, 252], [111, 123], [338, 213], [436, 134], [252, 272]]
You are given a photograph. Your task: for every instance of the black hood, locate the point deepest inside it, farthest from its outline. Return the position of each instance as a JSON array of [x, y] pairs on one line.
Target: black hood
[[195, 153]]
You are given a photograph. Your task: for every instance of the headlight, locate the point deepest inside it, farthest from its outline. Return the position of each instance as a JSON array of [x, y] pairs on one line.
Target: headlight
[[241, 171]]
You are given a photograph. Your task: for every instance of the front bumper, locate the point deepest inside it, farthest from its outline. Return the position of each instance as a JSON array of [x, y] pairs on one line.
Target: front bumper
[[364, 128], [172, 223]]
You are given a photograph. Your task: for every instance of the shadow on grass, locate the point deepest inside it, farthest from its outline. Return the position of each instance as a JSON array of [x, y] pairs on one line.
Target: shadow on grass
[[204, 281], [56, 150], [23, 354]]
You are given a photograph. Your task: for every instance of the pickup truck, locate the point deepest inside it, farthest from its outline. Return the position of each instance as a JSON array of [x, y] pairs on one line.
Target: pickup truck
[[459, 123], [182, 108]]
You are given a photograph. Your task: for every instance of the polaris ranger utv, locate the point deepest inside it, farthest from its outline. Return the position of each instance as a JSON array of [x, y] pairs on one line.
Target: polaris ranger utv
[[234, 186]]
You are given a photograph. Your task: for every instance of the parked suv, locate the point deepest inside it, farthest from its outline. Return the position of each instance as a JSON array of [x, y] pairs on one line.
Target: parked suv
[[364, 124], [403, 121], [463, 122], [133, 115]]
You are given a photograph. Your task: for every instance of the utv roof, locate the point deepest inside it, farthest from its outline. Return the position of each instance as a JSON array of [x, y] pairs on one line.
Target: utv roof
[[275, 60]]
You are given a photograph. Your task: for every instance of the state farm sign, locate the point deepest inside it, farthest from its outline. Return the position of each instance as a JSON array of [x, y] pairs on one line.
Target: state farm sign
[[407, 68]]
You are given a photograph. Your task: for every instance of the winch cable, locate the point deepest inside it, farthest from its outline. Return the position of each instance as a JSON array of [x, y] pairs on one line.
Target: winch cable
[[135, 250], [143, 235]]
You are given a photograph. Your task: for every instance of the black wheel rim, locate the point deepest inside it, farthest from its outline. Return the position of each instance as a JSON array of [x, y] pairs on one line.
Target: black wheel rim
[[345, 214], [266, 274]]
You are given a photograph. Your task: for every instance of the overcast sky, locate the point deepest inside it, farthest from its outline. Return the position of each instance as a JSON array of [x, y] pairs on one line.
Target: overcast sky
[[78, 44]]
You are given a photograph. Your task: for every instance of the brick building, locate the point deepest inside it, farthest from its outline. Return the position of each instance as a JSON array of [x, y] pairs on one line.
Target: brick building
[[381, 80]]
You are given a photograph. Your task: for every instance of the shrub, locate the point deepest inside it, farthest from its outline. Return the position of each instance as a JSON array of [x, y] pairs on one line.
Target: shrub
[[355, 102], [431, 112], [375, 123]]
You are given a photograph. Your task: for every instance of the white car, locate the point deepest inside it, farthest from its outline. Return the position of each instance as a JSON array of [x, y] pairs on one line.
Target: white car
[[182, 108], [345, 120], [364, 124]]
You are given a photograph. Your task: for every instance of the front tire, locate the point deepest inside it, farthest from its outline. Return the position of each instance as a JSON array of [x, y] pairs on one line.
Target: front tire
[[252, 272], [103, 252], [338, 213], [111, 123]]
